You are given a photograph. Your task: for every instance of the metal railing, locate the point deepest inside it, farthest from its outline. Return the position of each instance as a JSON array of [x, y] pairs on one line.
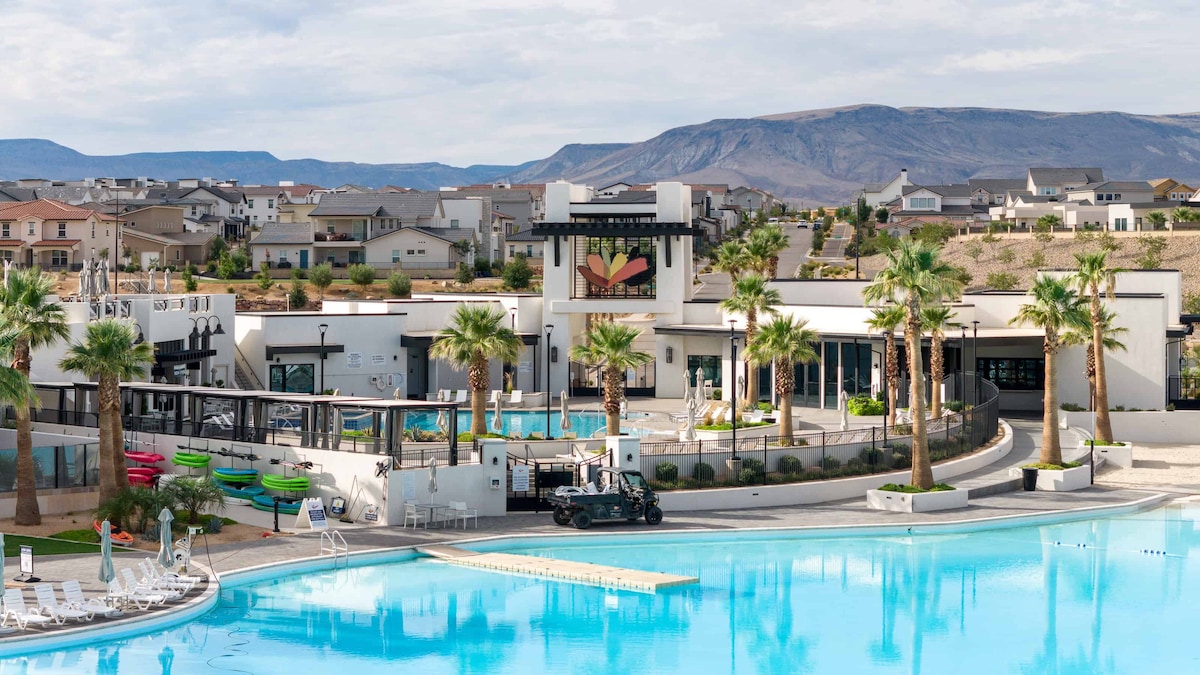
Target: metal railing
[[55, 467], [817, 455]]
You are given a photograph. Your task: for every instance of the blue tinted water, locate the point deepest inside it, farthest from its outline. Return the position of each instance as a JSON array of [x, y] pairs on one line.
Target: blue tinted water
[[525, 422], [1000, 601]]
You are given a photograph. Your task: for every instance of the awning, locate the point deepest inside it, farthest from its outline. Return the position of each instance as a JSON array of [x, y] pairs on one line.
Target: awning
[[275, 350], [183, 355], [56, 243], [423, 340]]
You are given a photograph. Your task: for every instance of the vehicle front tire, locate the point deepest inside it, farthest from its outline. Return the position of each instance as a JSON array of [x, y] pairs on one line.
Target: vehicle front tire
[[581, 520], [561, 516], [653, 515]]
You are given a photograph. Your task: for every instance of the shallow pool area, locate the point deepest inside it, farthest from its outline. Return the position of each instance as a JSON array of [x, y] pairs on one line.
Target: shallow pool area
[[1109, 595], [522, 423]]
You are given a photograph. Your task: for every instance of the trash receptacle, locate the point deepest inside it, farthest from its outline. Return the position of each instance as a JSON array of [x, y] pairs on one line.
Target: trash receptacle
[[1029, 478]]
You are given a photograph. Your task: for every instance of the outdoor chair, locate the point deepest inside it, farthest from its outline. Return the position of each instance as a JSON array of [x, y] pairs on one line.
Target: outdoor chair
[[411, 512], [73, 592], [152, 578], [48, 604], [133, 586], [459, 511], [15, 609], [446, 394], [497, 395], [158, 570], [753, 416], [461, 397], [516, 398]]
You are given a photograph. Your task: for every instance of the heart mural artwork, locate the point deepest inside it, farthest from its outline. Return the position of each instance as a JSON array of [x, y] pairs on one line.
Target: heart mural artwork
[[607, 270]]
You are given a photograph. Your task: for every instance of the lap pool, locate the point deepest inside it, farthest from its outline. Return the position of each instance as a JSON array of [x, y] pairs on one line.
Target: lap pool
[[1113, 595]]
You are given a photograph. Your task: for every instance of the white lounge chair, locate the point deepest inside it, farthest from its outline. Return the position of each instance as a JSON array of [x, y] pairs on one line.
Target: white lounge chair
[[48, 604], [22, 616], [151, 578], [73, 592], [447, 395], [459, 511], [753, 416], [497, 395], [159, 571], [516, 398], [147, 586], [461, 397]]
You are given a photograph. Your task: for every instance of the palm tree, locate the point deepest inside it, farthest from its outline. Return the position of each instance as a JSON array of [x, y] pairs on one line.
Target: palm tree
[[936, 319], [887, 319], [1093, 273], [784, 341], [109, 355], [35, 322], [915, 276], [1055, 309], [610, 346], [477, 335], [764, 246], [1157, 219], [1183, 214], [752, 295], [1077, 338], [731, 258]]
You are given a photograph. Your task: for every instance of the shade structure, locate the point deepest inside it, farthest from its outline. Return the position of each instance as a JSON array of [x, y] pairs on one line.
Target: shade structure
[[166, 555], [107, 573], [689, 431], [564, 422], [1, 558], [497, 418], [432, 477]]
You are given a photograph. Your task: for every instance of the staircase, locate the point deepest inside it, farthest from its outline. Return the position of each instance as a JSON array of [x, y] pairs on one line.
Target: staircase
[[243, 375]]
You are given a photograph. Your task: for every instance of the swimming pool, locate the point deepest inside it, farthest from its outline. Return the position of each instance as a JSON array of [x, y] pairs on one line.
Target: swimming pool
[[1110, 595], [525, 422]]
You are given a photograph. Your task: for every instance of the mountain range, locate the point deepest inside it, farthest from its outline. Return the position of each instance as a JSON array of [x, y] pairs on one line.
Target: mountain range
[[817, 154]]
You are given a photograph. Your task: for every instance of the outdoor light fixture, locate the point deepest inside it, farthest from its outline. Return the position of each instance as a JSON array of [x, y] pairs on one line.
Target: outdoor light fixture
[[495, 461], [554, 354], [670, 355], [323, 327], [551, 355], [629, 457]]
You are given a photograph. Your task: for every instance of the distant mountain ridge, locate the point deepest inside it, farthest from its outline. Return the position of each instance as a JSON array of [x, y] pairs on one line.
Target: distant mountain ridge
[[815, 154]]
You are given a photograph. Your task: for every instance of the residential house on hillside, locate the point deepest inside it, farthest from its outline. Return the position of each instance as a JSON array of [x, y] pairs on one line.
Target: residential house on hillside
[[528, 244], [221, 210], [753, 200], [283, 245], [262, 203], [158, 234], [922, 204], [879, 194], [476, 214], [522, 202], [1052, 181], [1112, 191], [1170, 189], [992, 191], [12, 193], [53, 235]]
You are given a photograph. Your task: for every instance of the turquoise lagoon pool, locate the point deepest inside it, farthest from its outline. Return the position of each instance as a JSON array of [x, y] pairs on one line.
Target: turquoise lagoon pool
[[1078, 597], [525, 422]]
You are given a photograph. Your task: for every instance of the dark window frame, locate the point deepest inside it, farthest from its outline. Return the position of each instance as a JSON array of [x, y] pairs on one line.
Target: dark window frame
[[1013, 374]]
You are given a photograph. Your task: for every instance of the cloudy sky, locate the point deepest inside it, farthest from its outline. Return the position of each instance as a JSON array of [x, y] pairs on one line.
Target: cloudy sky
[[504, 81]]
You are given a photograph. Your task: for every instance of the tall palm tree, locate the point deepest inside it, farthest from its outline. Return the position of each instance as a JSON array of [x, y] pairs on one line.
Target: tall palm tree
[[610, 346], [1077, 338], [915, 276], [936, 319], [887, 319], [1183, 214], [731, 258], [1157, 219], [35, 322], [752, 296], [784, 341], [477, 334], [1093, 273], [109, 355], [764, 246], [1055, 309]]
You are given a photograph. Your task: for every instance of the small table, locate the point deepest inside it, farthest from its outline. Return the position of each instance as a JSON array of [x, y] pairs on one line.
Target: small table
[[432, 510]]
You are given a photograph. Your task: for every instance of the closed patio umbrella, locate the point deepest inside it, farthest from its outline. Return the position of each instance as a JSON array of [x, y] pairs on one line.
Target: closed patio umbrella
[[107, 573], [700, 394], [166, 281], [150, 274], [166, 555], [565, 422], [497, 418], [441, 420], [687, 386], [432, 478], [100, 282], [689, 431]]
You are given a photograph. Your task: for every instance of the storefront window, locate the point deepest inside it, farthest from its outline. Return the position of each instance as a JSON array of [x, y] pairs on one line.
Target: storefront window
[[1013, 374], [710, 365], [292, 378]]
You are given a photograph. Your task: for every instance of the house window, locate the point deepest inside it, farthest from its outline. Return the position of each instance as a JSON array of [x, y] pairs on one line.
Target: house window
[[1049, 191], [282, 255], [1013, 374], [5, 232], [270, 203], [454, 222], [528, 250], [6, 255], [270, 217], [93, 230], [193, 211], [58, 258], [709, 365], [255, 218], [250, 203], [410, 252], [293, 378], [177, 254], [395, 255], [512, 250], [1117, 197], [1121, 224], [922, 203], [32, 228]]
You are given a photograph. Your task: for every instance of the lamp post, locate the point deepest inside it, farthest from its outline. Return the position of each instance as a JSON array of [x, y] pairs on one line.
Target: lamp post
[[733, 411], [116, 252], [323, 327], [975, 356], [549, 329], [962, 364], [887, 385]]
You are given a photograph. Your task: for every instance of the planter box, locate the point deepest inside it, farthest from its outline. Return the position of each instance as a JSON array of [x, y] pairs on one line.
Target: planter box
[[1065, 480], [742, 433], [1117, 455], [902, 502]]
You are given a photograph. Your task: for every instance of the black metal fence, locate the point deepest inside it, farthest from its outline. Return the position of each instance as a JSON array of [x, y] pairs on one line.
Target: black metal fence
[[1184, 392], [818, 455]]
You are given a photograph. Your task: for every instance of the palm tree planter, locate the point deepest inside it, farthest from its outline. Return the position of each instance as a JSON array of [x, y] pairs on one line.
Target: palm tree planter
[[1117, 453], [916, 502], [743, 432], [1060, 480]]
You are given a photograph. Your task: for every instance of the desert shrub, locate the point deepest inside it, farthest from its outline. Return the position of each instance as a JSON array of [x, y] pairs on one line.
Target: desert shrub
[[830, 463], [361, 275], [703, 472], [666, 472], [953, 406], [862, 404], [1108, 242], [1071, 407], [934, 233], [901, 461], [297, 297], [1150, 251], [973, 250], [464, 274], [226, 267], [1191, 303], [1006, 255], [120, 509], [1036, 259], [989, 237], [872, 456], [517, 273], [263, 277], [789, 464], [1084, 236], [399, 285], [189, 280], [1001, 281], [213, 525], [321, 277]]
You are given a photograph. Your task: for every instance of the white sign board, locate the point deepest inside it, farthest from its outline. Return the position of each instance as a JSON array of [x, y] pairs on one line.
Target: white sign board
[[525, 367], [371, 513], [520, 478], [27, 560], [312, 514], [354, 360], [408, 486], [378, 359]]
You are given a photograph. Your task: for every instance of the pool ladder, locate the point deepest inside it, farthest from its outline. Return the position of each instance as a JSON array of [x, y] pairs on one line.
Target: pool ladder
[[333, 543]]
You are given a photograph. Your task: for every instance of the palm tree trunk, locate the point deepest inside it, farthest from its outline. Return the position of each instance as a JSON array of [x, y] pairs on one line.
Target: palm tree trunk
[[477, 378], [937, 366], [751, 398], [785, 385], [1103, 422], [773, 267], [1051, 453], [612, 401], [922, 471], [120, 470], [892, 377], [108, 478], [27, 511]]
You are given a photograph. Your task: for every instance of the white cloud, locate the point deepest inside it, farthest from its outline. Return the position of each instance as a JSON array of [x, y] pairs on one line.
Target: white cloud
[[500, 81]]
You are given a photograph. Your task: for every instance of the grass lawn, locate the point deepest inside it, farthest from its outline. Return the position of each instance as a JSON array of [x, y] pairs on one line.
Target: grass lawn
[[46, 546]]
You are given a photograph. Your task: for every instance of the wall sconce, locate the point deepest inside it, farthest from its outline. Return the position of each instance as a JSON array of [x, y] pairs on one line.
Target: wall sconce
[[395, 357], [629, 457], [670, 355], [495, 461], [554, 354]]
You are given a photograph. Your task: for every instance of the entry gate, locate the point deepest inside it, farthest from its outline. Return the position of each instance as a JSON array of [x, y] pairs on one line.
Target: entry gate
[[543, 478]]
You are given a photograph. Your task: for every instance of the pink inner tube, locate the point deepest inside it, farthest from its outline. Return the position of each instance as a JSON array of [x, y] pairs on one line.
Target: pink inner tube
[[144, 457], [140, 479], [143, 471]]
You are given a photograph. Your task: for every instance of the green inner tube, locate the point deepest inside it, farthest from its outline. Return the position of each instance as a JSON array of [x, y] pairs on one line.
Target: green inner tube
[[235, 475], [264, 503], [283, 483], [189, 460]]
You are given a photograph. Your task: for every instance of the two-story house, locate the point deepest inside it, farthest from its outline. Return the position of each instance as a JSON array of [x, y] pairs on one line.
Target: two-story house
[[1112, 192], [920, 204], [1050, 182], [1168, 189], [158, 234], [992, 191], [54, 235], [880, 194], [262, 204]]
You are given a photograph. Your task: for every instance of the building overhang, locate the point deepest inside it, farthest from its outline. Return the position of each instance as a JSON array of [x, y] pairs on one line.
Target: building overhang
[[606, 229], [279, 350], [183, 355]]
